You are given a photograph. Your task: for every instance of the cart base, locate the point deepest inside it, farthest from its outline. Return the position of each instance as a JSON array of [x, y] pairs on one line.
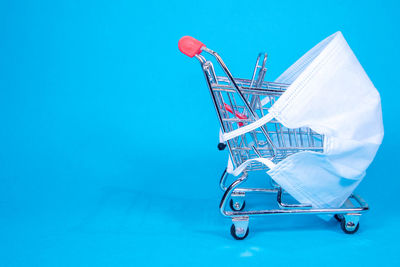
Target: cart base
[[348, 215]]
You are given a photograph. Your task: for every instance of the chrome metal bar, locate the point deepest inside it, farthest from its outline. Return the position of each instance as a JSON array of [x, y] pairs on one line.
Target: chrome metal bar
[[293, 211], [262, 72], [229, 191], [255, 70], [259, 190], [202, 63], [290, 206], [223, 180], [238, 90]]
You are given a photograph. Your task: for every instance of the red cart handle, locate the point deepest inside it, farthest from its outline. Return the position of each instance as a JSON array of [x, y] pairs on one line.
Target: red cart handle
[[190, 46]]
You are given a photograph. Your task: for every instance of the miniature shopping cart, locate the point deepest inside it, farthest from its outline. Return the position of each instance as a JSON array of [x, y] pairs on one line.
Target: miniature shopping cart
[[239, 102]]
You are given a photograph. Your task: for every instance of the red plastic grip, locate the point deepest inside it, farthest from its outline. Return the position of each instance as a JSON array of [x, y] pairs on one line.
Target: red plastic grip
[[190, 46], [228, 108], [236, 113]]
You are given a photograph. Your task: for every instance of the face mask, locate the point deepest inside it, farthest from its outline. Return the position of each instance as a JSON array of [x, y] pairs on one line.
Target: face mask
[[330, 93]]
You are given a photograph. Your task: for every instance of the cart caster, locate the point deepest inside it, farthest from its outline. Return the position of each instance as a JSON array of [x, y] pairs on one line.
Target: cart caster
[[349, 227], [237, 205], [350, 223], [239, 234], [240, 227]]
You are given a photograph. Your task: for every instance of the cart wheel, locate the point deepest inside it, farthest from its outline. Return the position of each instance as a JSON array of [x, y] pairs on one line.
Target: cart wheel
[[349, 227], [236, 206], [337, 218], [233, 233]]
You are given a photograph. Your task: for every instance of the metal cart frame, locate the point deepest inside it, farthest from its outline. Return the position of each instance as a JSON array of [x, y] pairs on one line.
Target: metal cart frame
[[273, 141]]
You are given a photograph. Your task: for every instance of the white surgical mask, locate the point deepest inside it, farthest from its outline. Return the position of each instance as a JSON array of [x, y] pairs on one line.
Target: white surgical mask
[[330, 93]]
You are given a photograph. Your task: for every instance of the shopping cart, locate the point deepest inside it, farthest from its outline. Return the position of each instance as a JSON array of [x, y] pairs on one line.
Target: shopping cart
[[240, 102]]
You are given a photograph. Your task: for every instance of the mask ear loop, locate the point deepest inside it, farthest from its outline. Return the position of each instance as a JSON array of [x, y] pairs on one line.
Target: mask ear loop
[[244, 165], [243, 130], [248, 128]]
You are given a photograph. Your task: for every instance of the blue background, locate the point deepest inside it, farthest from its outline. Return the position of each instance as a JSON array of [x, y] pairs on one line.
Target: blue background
[[108, 135]]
